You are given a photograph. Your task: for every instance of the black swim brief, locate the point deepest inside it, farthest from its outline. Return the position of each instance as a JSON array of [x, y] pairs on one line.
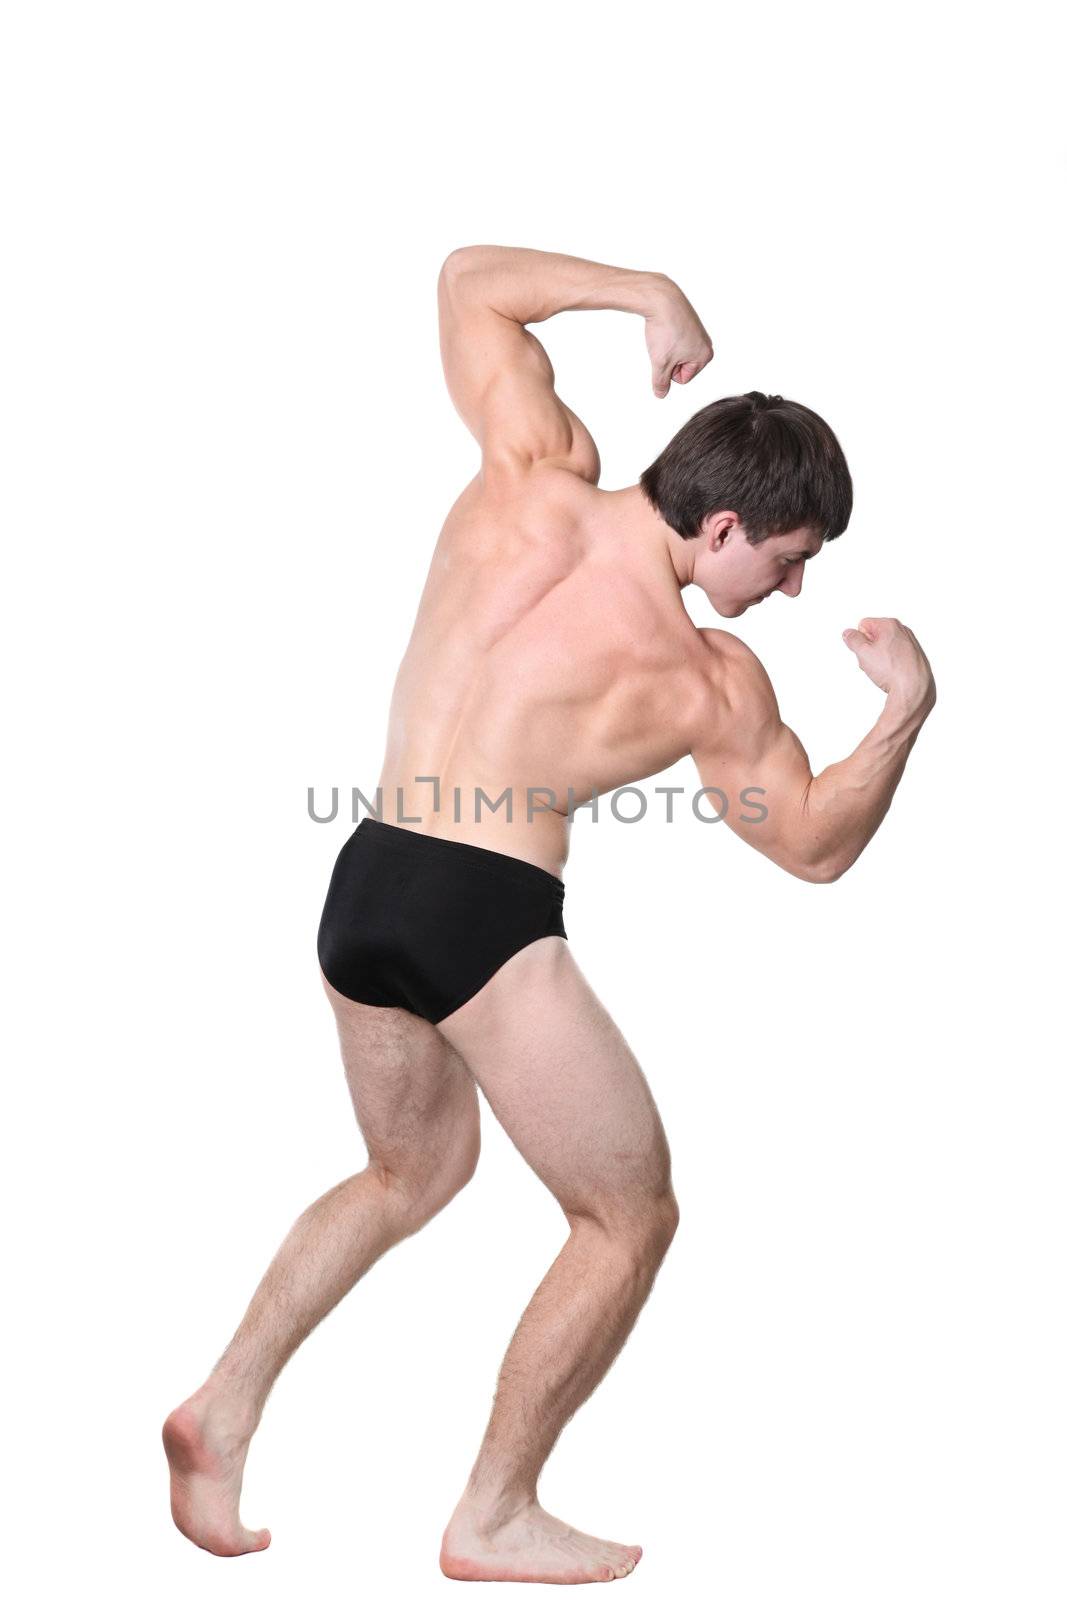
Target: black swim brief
[[420, 922]]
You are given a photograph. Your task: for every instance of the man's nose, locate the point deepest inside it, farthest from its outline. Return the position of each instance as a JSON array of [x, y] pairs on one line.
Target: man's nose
[[794, 581]]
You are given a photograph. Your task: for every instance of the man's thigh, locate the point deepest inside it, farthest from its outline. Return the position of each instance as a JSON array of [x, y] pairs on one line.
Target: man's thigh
[[565, 1085], [415, 1101]]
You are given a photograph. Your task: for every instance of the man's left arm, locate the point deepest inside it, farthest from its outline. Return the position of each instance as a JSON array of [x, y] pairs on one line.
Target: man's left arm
[[813, 826]]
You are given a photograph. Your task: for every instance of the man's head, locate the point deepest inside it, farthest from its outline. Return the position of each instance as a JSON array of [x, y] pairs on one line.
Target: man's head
[[761, 483]]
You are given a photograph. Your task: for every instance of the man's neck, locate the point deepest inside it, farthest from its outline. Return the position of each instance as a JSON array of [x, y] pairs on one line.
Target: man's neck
[[636, 510]]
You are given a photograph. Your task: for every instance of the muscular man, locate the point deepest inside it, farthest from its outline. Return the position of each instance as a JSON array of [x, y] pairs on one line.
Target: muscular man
[[551, 659]]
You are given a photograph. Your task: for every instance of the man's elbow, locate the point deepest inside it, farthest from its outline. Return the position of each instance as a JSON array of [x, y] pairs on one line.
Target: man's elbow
[[450, 273], [827, 871], [822, 868], [460, 260], [451, 267], [453, 261]]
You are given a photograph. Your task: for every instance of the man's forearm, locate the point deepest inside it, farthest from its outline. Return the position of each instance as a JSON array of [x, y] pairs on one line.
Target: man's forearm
[[532, 285], [847, 802]]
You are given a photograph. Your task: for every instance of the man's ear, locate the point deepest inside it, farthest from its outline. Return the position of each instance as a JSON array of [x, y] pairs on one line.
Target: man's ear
[[719, 527]]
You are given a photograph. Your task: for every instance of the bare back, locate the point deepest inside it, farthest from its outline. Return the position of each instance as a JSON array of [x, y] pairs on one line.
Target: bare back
[[551, 652]]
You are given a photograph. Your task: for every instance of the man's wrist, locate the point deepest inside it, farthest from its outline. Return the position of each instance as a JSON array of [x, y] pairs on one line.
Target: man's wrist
[[910, 705], [659, 292]]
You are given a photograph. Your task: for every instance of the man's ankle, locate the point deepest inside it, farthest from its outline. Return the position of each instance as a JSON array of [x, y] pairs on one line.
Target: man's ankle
[[487, 1508]]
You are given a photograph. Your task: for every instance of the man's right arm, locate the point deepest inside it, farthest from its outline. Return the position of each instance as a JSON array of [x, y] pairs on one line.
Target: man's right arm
[[815, 827], [499, 375]]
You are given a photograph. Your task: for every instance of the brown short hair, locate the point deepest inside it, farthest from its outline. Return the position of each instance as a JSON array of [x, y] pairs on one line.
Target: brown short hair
[[774, 462]]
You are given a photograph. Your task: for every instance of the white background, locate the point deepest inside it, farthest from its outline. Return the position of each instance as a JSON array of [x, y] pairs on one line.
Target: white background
[[228, 449]]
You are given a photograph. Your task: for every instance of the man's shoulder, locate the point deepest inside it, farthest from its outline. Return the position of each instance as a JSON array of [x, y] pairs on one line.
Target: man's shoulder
[[735, 672], [727, 651]]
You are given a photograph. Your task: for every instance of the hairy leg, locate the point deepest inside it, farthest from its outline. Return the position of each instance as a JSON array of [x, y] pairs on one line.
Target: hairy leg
[[565, 1086], [417, 1107]]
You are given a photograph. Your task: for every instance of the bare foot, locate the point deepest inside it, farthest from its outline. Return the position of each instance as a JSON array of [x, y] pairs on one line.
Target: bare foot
[[206, 1448], [530, 1547]]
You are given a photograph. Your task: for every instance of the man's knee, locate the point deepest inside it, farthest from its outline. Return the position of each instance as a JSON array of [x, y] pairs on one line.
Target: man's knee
[[461, 1164], [643, 1225], [669, 1216], [663, 1221], [424, 1180]]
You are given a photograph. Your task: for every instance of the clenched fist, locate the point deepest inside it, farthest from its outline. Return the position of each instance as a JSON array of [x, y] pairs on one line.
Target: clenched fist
[[678, 342], [893, 658]]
